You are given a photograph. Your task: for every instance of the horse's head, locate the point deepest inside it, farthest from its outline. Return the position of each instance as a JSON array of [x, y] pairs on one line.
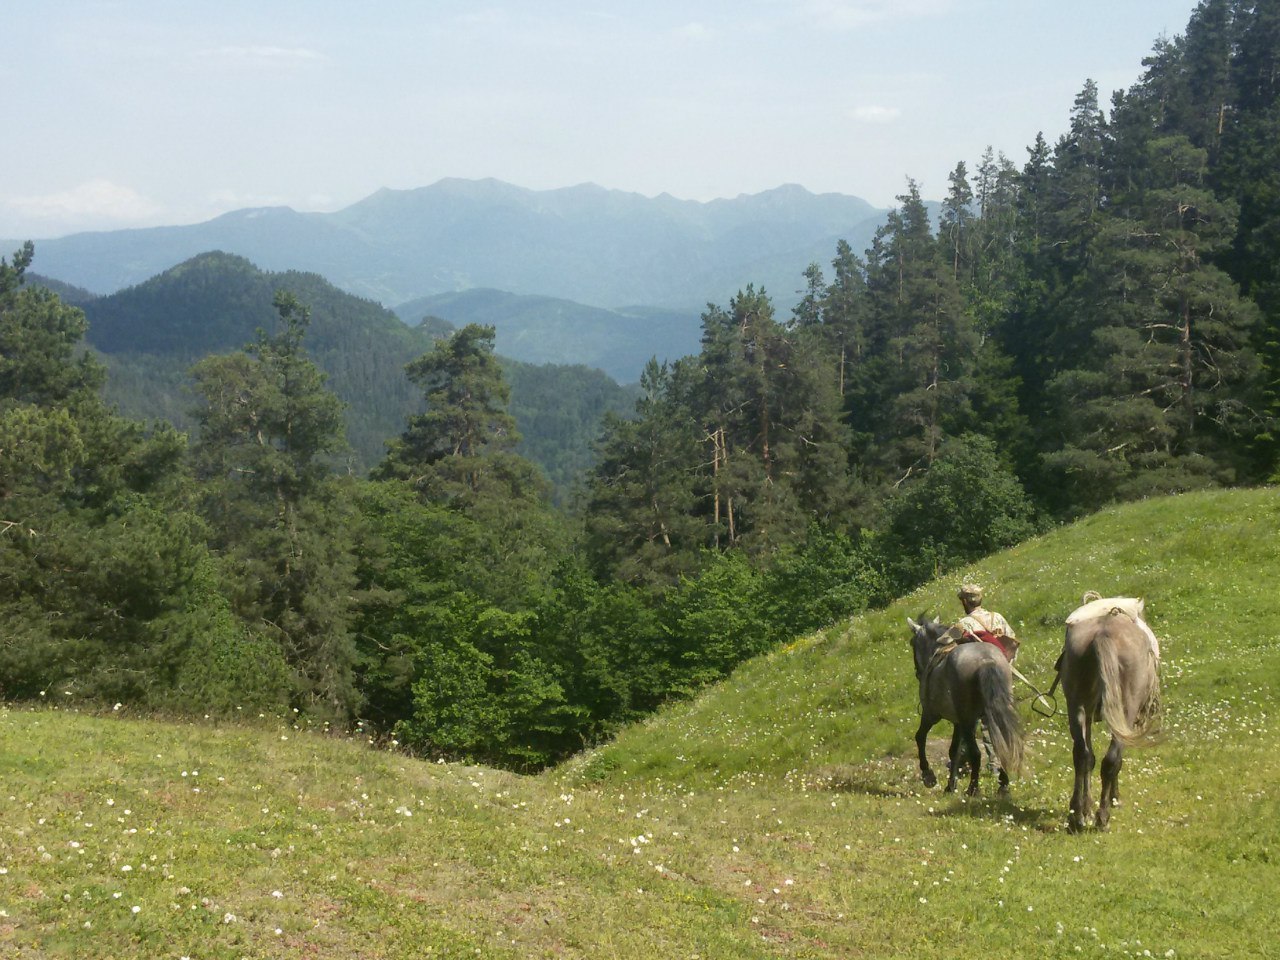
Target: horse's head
[[924, 640]]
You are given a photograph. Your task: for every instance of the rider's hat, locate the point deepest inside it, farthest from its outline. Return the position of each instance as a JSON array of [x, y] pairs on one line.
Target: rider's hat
[[970, 591]]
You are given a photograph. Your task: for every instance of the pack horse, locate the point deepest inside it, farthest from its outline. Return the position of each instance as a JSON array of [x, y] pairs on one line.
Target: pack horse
[[1109, 671]]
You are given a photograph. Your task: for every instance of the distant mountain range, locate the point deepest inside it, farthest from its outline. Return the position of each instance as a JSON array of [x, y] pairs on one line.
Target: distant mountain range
[[603, 248]]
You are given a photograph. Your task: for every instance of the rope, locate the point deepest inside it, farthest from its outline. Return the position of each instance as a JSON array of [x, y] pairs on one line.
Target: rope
[[1052, 704]]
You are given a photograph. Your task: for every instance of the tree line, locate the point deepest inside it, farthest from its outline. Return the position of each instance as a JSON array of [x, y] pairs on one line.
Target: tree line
[[1097, 325]]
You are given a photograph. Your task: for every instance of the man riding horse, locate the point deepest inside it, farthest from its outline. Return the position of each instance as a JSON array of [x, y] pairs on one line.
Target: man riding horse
[[979, 623]]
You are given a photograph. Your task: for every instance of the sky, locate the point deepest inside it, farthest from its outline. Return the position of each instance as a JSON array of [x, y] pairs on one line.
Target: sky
[[128, 113]]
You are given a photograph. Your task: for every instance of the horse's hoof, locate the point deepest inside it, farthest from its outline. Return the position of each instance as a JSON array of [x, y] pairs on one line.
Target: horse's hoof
[[950, 788], [929, 779]]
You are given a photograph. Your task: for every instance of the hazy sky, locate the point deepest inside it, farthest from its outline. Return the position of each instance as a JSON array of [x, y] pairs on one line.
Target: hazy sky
[[134, 113]]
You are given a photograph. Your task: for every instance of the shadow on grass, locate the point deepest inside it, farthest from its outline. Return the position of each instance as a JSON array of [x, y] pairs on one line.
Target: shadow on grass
[[1009, 809], [874, 781], [986, 806]]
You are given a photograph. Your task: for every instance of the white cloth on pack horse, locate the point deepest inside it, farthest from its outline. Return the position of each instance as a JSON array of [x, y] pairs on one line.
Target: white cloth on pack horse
[[1094, 607]]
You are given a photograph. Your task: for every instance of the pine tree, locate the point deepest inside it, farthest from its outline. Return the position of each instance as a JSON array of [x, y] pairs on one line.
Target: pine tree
[[642, 523], [916, 385], [844, 314], [466, 401], [107, 589], [957, 221], [739, 403], [39, 358], [1154, 403], [808, 312], [459, 453], [268, 430], [1250, 174], [771, 425], [469, 543]]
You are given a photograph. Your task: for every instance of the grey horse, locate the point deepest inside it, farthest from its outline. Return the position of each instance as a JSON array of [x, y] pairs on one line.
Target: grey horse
[[965, 683], [1108, 671]]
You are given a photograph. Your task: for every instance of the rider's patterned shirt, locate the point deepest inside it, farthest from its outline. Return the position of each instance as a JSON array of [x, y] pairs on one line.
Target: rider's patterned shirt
[[980, 618]]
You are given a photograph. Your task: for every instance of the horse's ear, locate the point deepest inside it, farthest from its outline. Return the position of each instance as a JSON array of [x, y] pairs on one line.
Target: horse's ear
[[914, 625]]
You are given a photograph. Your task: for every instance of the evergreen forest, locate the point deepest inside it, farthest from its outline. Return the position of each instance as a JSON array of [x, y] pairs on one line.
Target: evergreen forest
[[1098, 323]]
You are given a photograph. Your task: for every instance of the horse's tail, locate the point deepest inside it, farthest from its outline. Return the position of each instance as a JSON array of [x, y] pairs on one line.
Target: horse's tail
[[1004, 728], [1146, 723]]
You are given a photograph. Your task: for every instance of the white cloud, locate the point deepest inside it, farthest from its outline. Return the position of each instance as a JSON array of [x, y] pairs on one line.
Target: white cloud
[[872, 113], [263, 55], [99, 202], [852, 14], [488, 18], [693, 31]]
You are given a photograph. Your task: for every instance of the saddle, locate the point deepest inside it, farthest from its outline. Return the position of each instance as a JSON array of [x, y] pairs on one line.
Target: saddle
[[956, 634], [1006, 645]]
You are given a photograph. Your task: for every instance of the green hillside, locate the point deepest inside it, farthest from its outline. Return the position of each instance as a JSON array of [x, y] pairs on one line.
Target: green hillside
[[1206, 563], [778, 815]]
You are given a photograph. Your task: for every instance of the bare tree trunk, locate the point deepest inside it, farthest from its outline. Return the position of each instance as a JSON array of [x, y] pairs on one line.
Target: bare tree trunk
[[1187, 357], [715, 481], [662, 527]]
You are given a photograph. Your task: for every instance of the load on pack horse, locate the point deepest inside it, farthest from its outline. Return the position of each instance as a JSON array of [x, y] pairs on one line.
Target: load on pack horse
[[965, 683], [1109, 670]]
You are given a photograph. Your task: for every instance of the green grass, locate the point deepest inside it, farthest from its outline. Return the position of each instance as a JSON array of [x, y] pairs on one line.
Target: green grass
[[778, 815]]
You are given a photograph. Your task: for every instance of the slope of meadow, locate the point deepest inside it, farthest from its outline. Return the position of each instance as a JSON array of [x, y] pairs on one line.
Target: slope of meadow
[[778, 815]]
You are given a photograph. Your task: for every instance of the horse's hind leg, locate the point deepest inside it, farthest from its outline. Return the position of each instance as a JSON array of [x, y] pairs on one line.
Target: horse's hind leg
[[922, 734], [1082, 760], [953, 759], [1112, 761], [975, 758]]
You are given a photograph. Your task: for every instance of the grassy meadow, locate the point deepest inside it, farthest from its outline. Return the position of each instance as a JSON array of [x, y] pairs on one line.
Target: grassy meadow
[[780, 814]]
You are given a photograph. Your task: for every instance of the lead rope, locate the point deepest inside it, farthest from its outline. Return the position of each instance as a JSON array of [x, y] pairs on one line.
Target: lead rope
[[1044, 703]]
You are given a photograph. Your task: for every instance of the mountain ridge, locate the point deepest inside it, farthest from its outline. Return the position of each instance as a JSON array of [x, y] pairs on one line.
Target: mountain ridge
[[594, 245]]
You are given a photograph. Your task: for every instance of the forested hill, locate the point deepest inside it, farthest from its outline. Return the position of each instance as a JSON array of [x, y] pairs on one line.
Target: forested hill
[[601, 247], [217, 302], [67, 293], [152, 333]]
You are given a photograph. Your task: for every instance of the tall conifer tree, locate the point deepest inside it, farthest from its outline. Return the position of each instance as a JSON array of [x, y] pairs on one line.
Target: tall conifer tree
[[268, 431]]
